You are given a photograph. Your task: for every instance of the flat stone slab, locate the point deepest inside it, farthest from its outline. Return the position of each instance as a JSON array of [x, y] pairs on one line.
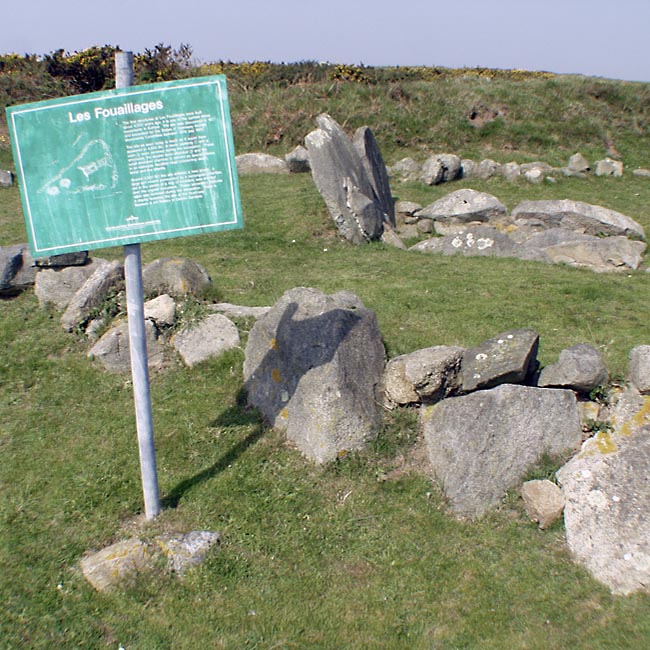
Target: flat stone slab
[[211, 337]]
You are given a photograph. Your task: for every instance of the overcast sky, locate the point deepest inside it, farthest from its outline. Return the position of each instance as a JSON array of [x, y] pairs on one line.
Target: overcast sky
[[603, 38]]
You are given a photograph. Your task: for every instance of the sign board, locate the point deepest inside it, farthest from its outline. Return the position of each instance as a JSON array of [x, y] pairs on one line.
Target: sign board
[[126, 166]]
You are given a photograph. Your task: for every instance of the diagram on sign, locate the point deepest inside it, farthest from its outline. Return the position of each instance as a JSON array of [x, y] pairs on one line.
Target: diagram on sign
[[93, 170]]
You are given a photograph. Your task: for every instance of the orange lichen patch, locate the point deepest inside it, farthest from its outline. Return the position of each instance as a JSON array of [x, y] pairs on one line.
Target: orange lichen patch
[[284, 413], [273, 345], [276, 376]]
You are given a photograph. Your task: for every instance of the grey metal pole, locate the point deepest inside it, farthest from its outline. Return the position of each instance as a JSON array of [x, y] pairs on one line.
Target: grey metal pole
[[138, 342]]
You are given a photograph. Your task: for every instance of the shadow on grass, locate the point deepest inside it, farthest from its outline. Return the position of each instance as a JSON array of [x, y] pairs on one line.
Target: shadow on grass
[[238, 415]]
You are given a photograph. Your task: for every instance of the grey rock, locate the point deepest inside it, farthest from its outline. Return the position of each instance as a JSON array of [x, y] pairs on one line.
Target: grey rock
[[11, 261], [425, 226], [161, 310], [642, 173], [176, 276], [535, 175], [468, 168], [578, 164], [464, 206], [510, 171], [475, 240], [483, 444], [239, 311], [390, 237], [260, 163], [487, 169], [209, 338], [368, 149], [406, 169], [313, 367], [580, 368], [112, 350], [6, 178], [427, 375], [544, 501], [406, 209], [187, 550], [112, 565], [579, 216], [510, 357], [440, 168], [80, 258], [58, 286], [606, 517], [609, 167], [107, 278], [640, 368], [342, 181], [298, 160]]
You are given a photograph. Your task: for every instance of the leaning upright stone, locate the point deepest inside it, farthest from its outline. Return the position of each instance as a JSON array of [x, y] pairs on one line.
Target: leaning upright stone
[[368, 149], [343, 182], [313, 368]]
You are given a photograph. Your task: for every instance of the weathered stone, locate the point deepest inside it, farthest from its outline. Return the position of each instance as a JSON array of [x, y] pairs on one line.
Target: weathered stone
[[58, 286], [640, 368], [260, 163], [579, 216], [239, 311], [543, 500], [535, 175], [390, 237], [161, 310], [111, 566], [112, 350], [578, 164], [609, 167], [441, 168], [209, 338], [427, 375], [510, 171], [642, 173], [176, 276], [406, 209], [313, 367], [607, 518], [487, 169], [406, 169], [343, 183], [80, 258], [580, 368], [475, 240], [187, 550], [482, 444], [510, 357], [464, 206], [298, 160], [468, 168], [108, 277], [6, 178], [368, 149], [26, 275], [11, 261]]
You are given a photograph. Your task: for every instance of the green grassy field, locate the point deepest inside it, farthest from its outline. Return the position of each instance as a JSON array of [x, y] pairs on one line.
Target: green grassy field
[[358, 554]]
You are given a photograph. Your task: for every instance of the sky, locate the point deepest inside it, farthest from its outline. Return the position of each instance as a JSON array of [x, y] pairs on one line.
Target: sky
[[602, 38]]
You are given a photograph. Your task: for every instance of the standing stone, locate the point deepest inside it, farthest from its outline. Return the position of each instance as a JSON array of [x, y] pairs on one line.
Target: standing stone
[[640, 368], [607, 518], [580, 368], [342, 181], [426, 375], [508, 358], [544, 501], [483, 444], [314, 367], [211, 337], [368, 149], [108, 277]]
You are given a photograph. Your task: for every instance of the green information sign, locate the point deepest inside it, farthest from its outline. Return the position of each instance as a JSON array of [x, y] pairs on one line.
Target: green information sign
[[126, 166]]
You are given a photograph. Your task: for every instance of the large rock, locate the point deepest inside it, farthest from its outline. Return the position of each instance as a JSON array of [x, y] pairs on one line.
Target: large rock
[[483, 444], [260, 163], [368, 149], [209, 338], [580, 368], [473, 241], [174, 275], [342, 180], [426, 375], [510, 357], [465, 206], [57, 286], [107, 278], [112, 565], [607, 517], [113, 351], [314, 367], [579, 216]]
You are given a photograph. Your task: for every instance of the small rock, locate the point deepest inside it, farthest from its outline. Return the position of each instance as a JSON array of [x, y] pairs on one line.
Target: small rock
[[111, 566], [609, 167], [578, 164], [186, 550], [543, 501], [580, 368], [209, 338], [260, 163], [640, 368], [298, 160], [161, 310], [6, 178]]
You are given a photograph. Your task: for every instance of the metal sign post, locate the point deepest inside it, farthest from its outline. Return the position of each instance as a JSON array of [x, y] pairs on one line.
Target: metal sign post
[[138, 341]]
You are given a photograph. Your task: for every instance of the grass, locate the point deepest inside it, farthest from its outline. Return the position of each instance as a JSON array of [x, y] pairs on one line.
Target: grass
[[361, 553]]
